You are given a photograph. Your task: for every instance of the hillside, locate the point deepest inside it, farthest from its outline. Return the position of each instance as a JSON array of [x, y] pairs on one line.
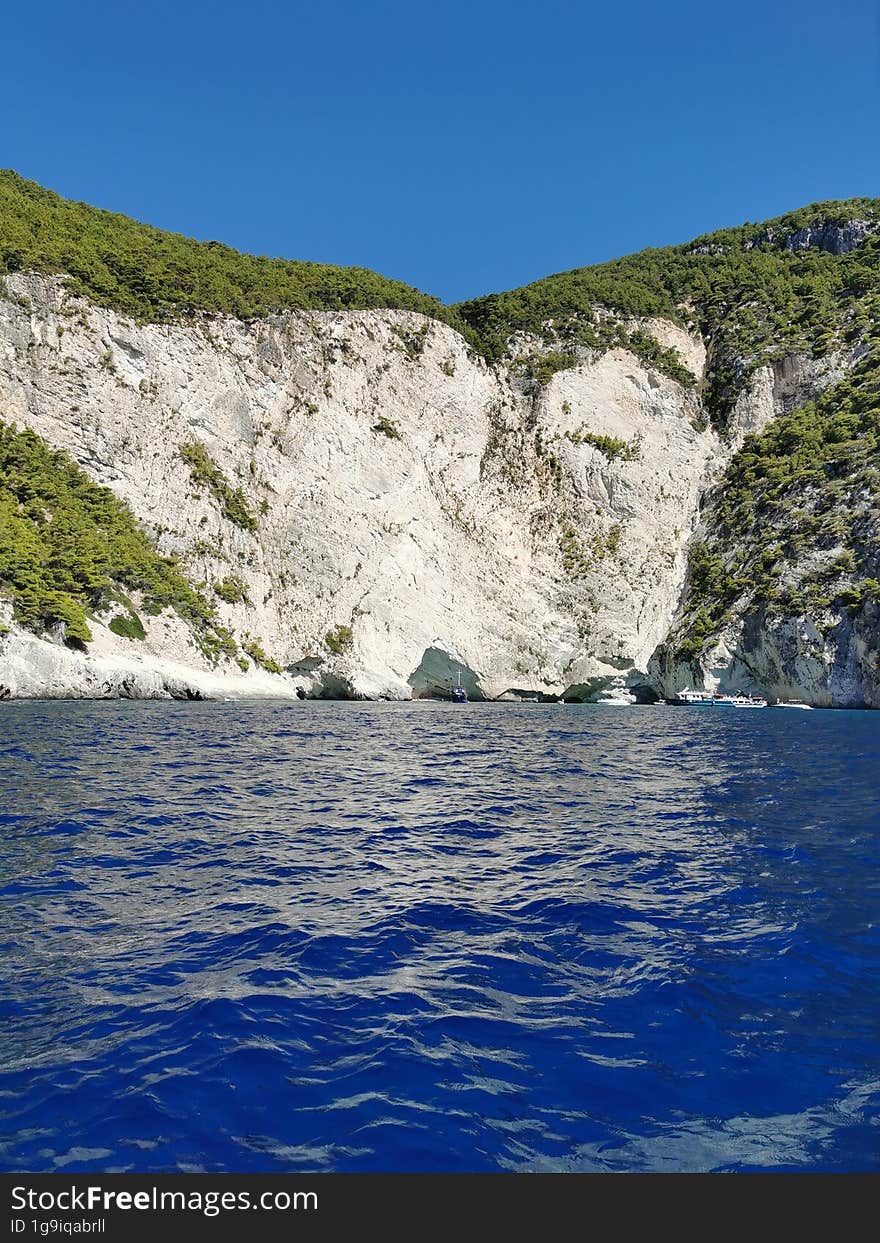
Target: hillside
[[806, 282], [154, 275], [663, 467], [787, 574]]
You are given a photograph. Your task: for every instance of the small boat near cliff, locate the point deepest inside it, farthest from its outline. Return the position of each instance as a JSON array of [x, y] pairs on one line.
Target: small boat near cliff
[[457, 693]]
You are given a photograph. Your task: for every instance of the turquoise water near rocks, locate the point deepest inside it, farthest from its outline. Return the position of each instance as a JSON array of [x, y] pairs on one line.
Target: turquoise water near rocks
[[327, 936]]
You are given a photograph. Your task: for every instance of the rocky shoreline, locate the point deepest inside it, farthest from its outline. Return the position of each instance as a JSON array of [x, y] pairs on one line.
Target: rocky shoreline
[[33, 668]]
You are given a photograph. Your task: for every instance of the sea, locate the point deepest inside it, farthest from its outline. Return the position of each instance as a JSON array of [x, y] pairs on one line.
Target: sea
[[281, 937]]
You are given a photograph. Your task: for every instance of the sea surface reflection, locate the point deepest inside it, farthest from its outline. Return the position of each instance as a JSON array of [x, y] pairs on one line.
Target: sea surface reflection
[[322, 936]]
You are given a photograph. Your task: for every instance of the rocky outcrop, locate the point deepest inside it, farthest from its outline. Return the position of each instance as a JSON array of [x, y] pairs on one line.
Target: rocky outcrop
[[783, 591], [835, 237], [780, 387], [113, 668], [825, 661]]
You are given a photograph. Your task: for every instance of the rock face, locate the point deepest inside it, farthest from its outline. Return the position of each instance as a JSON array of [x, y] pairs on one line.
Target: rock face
[[836, 238], [114, 668], [827, 662], [783, 593], [780, 387], [420, 513]]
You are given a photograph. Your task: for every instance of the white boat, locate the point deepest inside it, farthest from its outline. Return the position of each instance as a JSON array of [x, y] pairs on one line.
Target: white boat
[[693, 698], [615, 696], [794, 703], [739, 701], [711, 699]]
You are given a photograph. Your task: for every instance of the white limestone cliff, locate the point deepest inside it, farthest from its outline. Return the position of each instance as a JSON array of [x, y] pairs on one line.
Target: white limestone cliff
[[827, 661], [421, 514]]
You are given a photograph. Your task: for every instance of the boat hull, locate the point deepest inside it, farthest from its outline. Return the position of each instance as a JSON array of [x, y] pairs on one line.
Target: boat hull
[[717, 703]]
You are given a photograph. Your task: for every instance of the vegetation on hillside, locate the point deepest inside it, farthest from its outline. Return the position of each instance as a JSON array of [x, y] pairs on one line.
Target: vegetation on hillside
[[206, 474], [154, 275], [257, 653], [751, 297], [794, 527], [232, 590], [68, 546], [340, 640], [611, 446]]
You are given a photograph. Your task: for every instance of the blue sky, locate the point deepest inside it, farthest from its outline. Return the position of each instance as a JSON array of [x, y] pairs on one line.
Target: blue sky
[[462, 147]]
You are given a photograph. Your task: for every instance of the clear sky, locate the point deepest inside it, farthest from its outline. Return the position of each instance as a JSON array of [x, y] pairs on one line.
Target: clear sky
[[461, 146]]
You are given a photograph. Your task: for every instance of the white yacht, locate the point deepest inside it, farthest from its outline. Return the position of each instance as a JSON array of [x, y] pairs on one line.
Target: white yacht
[[747, 701], [692, 698], [793, 703], [615, 696], [711, 699]]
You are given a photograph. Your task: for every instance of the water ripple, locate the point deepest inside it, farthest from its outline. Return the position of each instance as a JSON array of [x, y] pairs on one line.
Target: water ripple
[[265, 937]]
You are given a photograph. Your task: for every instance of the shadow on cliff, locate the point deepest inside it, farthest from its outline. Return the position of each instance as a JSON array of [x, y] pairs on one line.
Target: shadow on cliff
[[438, 672]]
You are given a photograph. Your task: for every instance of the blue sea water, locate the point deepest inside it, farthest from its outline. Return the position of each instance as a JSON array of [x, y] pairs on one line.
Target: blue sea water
[[386, 937]]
